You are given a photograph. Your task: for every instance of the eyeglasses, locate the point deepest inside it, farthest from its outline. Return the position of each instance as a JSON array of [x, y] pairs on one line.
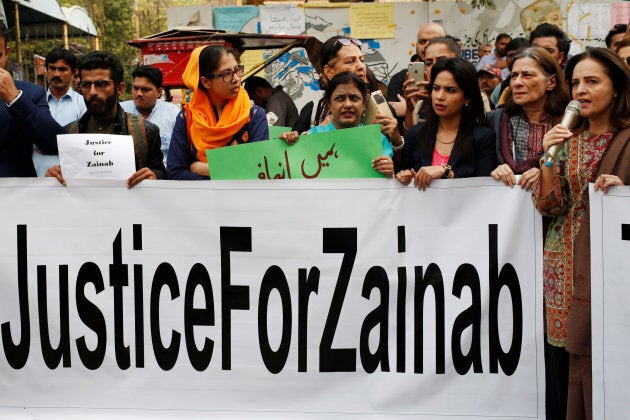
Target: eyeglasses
[[98, 84], [347, 41], [228, 75]]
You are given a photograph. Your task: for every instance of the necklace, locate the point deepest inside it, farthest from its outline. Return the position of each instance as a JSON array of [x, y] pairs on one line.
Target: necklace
[[445, 142]]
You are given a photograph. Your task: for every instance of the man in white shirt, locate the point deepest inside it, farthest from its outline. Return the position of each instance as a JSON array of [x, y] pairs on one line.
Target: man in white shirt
[[146, 89], [66, 105]]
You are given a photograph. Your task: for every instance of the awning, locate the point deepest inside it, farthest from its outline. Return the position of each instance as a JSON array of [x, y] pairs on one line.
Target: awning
[[3, 20], [79, 20], [240, 41], [46, 19], [170, 50]]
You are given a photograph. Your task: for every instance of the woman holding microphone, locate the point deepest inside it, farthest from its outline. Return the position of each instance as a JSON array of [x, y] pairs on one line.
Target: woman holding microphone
[[596, 150]]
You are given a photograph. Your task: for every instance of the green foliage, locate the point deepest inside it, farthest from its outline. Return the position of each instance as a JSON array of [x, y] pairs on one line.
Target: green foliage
[[115, 23], [479, 4], [113, 20]]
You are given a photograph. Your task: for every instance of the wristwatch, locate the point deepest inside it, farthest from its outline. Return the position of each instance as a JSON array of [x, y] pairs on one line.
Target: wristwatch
[[447, 171], [400, 146]]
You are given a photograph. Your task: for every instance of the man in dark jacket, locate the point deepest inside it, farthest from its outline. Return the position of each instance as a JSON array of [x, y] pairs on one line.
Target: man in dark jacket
[[101, 82], [278, 105], [24, 120]]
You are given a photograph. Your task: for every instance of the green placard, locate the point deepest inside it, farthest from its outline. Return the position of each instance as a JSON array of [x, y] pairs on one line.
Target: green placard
[[344, 153], [276, 130]]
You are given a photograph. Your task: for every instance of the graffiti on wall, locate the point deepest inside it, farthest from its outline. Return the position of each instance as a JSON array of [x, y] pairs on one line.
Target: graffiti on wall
[[386, 57], [294, 72]]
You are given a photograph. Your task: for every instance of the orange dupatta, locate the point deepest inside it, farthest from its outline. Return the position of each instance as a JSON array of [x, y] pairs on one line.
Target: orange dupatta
[[205, 131]]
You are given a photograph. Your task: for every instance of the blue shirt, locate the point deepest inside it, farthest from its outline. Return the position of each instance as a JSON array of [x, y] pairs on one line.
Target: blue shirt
[[387, 146], [164, 115], [488, 59], [70, 107]]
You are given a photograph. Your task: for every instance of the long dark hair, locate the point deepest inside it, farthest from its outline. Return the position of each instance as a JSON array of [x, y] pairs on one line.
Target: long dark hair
[[618, 73], [473, 114]]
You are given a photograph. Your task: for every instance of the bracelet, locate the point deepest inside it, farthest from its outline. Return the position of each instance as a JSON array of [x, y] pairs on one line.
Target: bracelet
[[400, 146]]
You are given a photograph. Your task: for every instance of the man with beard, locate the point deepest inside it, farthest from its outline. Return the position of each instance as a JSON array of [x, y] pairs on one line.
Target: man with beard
[[66, 105], [25, 121], [146, 89], [498, 58], [101, 82]]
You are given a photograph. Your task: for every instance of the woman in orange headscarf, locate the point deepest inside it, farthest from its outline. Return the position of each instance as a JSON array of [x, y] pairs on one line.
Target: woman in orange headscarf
[[219, 113]]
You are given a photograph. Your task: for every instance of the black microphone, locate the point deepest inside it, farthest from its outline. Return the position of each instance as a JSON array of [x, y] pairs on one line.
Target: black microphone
[[571, 114]]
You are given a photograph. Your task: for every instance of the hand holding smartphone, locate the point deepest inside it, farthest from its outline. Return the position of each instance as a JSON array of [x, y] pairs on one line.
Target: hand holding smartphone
[[376, 105], [416, 71]]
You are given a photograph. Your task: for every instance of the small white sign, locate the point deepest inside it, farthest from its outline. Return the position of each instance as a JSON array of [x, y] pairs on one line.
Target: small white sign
[[105, 156], [282, 19]]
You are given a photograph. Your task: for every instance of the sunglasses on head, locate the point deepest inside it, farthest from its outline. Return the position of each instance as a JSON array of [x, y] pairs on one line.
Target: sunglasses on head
[[347, 41]]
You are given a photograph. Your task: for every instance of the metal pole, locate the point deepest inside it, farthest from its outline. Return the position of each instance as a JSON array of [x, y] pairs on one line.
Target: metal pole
[[137, 27], [259, 66], [136, 18], [65, 35], [18, 43]]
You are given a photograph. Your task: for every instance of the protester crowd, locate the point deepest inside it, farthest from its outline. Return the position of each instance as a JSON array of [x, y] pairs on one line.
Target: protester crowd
[[501, 118]]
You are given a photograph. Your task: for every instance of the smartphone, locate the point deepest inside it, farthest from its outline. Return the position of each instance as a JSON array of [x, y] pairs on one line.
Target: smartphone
[[377, 104], [416, 71]]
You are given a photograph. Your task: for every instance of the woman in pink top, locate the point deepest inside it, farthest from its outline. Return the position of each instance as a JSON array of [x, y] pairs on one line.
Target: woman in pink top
[[453, 142]]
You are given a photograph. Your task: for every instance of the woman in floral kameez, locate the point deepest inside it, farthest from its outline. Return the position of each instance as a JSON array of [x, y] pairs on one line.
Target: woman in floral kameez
[[597, 150]]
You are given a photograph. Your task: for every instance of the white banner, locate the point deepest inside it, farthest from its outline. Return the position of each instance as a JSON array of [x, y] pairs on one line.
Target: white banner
[[610, 294], [271, 299]]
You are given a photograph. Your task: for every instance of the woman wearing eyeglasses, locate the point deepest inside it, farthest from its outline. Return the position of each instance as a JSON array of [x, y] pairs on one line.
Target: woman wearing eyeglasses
[[219, 113], [339, 54]]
